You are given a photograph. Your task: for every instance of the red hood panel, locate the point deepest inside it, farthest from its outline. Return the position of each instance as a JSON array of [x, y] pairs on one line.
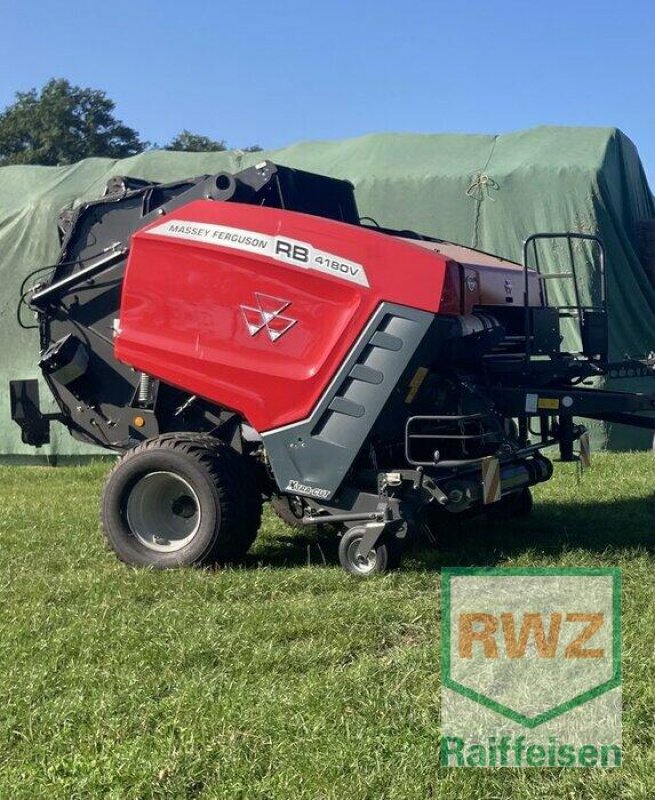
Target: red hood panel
[[256, 308]]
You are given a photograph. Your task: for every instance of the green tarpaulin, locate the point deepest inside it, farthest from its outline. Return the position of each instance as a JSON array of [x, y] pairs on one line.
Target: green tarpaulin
[[486, 191]]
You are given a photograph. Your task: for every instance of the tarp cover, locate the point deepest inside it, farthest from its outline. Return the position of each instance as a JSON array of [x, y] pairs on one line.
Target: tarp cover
[[485, 191]]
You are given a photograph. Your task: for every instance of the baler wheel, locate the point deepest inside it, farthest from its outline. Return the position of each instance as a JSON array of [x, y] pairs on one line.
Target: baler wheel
[[289, 509], [180, 500], [383, 557]]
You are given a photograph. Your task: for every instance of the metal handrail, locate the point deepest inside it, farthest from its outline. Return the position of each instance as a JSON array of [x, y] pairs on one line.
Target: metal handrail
[[569, 236]]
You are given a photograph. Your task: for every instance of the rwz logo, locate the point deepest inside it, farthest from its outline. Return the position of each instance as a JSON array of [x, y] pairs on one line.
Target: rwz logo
[[267, 315]]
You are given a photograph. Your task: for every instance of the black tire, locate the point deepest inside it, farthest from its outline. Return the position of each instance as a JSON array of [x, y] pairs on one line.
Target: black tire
[[180, 500], [385, 555], [289, 509], [512, 506]]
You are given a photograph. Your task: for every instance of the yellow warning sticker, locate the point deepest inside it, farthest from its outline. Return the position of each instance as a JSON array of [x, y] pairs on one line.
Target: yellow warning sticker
[[415, 383], [548, 402]]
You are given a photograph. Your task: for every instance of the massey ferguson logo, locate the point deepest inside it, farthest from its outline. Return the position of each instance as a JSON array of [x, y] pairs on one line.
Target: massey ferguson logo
[[267, 314]]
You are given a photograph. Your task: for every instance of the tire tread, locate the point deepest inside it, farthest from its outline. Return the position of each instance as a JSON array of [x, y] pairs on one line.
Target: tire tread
[[236, 492]]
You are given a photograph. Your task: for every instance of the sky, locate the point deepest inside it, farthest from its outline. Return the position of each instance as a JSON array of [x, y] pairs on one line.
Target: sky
[[275, 73]]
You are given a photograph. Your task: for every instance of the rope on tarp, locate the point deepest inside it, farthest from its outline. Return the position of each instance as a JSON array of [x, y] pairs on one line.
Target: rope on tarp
[[480, 188]]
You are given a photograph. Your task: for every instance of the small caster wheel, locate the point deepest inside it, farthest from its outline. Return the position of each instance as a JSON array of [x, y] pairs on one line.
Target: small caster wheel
[[383, 557], [512, 506]]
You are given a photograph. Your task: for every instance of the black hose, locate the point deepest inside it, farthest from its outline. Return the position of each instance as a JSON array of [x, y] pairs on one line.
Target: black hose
[[23, 293]]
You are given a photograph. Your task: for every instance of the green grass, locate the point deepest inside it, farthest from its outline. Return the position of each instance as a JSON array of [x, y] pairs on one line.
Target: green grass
[[285, 678]]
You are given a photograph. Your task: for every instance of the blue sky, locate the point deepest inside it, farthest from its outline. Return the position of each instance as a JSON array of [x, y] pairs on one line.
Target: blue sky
[[275, 73]]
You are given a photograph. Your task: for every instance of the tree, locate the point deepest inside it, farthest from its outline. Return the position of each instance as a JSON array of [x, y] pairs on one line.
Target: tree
[[62, 124], [196, 143]]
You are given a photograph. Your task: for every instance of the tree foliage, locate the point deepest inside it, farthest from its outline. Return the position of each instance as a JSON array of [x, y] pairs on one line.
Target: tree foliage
[[61, 124], [196, 143]]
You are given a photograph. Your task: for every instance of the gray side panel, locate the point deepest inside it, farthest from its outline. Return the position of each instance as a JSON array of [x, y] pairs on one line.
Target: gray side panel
[[312, 457]]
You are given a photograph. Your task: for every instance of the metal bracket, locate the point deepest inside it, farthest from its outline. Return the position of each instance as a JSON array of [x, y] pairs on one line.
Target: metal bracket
[[372, 532], [26, 412]]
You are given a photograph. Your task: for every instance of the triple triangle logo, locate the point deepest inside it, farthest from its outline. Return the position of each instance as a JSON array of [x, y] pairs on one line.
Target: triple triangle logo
[[267, 314]]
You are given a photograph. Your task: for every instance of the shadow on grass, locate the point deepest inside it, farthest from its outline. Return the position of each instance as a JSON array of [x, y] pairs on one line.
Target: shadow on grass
[[553, 528], [291, 548]]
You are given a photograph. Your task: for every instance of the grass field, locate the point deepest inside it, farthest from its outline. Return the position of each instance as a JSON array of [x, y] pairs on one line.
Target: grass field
[[285, 678]]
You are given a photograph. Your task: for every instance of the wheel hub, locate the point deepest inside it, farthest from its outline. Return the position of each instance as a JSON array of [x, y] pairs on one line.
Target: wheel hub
[[184, 506], [163, 511], [363, 564]]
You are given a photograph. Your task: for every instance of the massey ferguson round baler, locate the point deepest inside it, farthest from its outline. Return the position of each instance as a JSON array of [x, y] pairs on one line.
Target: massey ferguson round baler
[[241, 338]]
